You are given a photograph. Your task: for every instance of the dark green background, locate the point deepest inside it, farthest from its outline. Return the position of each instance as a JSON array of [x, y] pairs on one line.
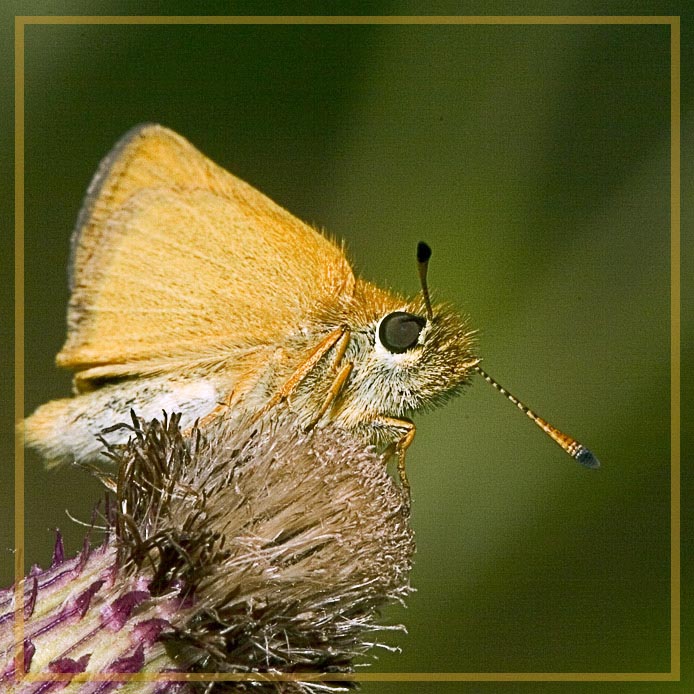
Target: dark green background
[[535, 161]]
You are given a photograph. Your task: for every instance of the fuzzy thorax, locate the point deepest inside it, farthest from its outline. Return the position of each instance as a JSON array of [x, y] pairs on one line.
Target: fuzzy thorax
[[383, 384]]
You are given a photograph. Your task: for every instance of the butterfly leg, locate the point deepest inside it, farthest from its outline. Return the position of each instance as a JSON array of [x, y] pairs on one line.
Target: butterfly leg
[[339, 337], [400, 447], [219, 409], [339, 381], [306, 366], [333, 393]]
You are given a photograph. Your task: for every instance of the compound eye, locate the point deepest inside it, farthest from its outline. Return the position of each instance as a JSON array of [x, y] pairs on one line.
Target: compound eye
[[399, 331]]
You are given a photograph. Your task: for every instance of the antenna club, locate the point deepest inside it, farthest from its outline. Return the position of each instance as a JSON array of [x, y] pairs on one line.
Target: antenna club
[[423, 252], [586, 458]]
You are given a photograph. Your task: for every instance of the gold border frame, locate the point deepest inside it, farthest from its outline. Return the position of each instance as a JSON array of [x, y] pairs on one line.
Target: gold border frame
[[675, 606]]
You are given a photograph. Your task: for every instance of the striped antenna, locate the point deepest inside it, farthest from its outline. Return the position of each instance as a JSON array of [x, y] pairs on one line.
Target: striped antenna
[[576, 450]]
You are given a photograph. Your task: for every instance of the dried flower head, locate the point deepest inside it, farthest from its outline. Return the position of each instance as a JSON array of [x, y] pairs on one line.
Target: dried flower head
[[256, 548], [288, 542]]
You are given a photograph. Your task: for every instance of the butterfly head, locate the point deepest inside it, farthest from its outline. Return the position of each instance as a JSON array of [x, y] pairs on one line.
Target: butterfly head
[[406, 355]]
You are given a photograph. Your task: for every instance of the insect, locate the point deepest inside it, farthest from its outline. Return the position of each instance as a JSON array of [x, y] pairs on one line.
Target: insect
[[192, 292]]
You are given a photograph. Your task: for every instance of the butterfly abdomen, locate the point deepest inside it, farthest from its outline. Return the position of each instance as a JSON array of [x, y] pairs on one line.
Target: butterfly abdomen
[[86, 416]]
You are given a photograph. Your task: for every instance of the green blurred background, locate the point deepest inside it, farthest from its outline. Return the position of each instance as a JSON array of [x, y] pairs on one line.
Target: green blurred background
[[535, 161]]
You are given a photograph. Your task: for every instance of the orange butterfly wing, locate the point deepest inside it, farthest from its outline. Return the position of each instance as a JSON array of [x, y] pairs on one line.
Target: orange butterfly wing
[[175, 261]]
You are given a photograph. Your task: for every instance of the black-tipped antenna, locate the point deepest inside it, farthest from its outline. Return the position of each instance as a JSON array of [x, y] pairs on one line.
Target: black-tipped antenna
[[576, 450], [423, 255]]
